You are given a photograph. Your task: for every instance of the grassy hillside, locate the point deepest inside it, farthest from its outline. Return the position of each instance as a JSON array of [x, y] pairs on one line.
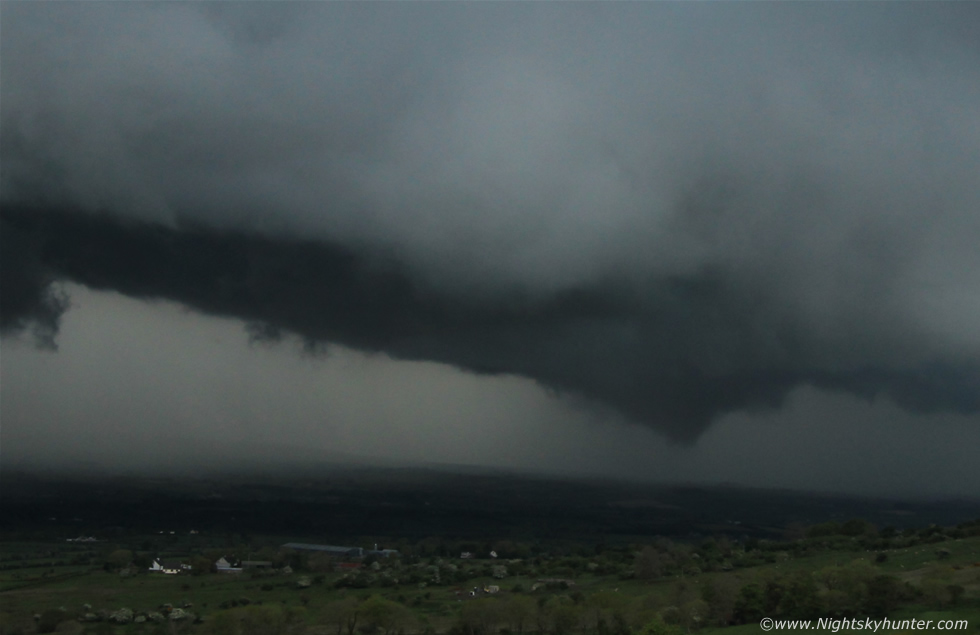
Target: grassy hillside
[[664, 586]]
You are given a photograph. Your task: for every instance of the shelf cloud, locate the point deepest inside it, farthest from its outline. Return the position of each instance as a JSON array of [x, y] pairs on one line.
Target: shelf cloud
[[674, 211]]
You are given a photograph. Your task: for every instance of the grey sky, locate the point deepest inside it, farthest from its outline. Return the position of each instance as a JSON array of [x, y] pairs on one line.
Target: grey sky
[[177, 391], [706, 219]]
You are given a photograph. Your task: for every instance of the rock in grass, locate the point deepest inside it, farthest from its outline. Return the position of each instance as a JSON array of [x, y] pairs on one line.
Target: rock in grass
[[180, 615], [122, 616]]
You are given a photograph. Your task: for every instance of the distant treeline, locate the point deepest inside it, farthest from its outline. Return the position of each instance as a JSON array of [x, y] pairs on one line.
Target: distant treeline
[[414, 504]]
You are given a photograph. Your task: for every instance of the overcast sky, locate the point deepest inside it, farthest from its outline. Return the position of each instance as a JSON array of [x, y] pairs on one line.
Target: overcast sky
[[678, 241]]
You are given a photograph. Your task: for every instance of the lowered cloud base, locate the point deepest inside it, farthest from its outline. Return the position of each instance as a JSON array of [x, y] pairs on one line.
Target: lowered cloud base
[[677, 212]]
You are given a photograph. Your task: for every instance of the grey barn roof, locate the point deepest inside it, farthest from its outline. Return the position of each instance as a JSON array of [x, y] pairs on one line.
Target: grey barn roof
[[355, 551]]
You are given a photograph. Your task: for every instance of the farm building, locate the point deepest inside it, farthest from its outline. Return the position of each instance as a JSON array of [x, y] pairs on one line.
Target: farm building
[[342, 552], [223, 566], [332, 550]]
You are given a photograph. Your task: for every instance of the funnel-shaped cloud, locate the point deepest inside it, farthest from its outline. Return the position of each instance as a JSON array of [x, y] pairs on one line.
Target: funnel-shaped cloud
[[674, 210], [675, 356]]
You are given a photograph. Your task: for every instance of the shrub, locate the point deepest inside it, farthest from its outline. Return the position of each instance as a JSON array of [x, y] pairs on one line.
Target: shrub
[[50, 619]]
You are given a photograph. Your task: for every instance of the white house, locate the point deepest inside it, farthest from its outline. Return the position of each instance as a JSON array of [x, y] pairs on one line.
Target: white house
[[169, 567]]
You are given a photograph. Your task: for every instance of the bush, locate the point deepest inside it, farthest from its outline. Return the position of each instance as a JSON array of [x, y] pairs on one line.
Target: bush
[[50, 619], [823, 529], [70, 627], [749, 604], [659, 627]]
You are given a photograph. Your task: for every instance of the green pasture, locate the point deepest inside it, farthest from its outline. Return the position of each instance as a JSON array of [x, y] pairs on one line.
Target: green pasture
[[26, 589]]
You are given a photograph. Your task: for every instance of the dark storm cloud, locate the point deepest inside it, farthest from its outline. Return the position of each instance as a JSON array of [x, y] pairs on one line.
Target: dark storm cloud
[[674, 210], [29, 296], [645, 356]]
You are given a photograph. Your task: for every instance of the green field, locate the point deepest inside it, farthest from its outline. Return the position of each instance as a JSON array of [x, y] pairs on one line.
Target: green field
[[659, 588]]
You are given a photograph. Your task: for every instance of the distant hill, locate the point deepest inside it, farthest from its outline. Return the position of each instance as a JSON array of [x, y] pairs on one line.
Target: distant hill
[[342, 500]]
